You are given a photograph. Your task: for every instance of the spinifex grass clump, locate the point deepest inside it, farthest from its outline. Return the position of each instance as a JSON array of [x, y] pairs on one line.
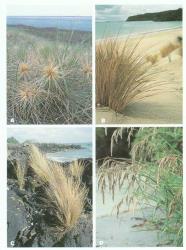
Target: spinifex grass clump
[[66, 195], [122, 75], [49, 80], [153, 178]]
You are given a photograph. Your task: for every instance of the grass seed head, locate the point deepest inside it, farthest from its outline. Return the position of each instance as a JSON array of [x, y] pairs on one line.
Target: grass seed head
[[51, 72], [27, 93], [24, 69]]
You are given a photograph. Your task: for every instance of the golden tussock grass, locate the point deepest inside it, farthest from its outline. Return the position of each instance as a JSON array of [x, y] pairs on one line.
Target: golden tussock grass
[[24, 69], [152, 58], [77, 169], [27, 93], [166, 50], [20, 174], [122, 75], [66, 196], [51, 72]]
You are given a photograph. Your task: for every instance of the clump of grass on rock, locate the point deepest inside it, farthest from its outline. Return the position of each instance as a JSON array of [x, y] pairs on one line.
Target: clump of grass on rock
[[66, 195]]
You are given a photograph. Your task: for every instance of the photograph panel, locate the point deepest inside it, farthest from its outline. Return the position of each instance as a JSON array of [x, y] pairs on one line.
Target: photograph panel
[[49, 197], [49, 69], [139, 196], [139, 64]]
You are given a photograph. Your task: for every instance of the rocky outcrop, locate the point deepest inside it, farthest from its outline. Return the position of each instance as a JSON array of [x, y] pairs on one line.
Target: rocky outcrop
[[45, 147]]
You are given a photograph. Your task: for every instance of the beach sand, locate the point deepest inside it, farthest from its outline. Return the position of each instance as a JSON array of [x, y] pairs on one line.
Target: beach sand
[[129, 229], [166, 106]]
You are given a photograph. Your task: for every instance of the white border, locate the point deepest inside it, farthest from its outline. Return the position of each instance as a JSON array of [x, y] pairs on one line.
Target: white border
[[3, 127]]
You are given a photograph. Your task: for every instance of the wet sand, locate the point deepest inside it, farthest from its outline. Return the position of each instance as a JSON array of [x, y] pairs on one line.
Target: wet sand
[[130, 229], [165, 107]]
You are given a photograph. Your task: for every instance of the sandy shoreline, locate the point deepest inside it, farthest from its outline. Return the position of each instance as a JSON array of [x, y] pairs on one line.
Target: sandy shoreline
[[136, 35], [165, 107]]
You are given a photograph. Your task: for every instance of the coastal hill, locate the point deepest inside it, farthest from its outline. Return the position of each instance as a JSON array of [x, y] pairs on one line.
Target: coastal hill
[[169, 15], [72, 36], [44, 147]]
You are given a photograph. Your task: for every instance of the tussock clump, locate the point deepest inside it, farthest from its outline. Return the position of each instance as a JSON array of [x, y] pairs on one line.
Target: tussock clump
[[77, 169], [24, 70], [66, 195], [27, 99], [166, 50], [122, 75], [152, 58], [20, 174], [51, 72]]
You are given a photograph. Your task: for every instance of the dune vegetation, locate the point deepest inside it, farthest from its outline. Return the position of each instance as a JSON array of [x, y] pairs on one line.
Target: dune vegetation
[[49, 76], [152, 177], [126, 75], [122, 75]]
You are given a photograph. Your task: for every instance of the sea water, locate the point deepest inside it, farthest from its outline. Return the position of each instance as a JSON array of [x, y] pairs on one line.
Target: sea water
[[107, 28], [72, 154], [80, 23]]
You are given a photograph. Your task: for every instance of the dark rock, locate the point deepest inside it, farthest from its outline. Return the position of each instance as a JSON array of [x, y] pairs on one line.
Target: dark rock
[[80, 236], [17, 217]]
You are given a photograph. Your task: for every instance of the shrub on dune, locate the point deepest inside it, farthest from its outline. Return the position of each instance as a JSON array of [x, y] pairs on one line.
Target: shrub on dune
[[122, 75]]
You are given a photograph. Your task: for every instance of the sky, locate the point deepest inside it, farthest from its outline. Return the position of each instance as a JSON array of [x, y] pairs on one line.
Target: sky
[[52, 134], [122, 12], [49, 8]]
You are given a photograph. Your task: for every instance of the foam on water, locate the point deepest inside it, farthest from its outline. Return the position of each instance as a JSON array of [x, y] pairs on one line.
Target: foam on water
[[72, 154]]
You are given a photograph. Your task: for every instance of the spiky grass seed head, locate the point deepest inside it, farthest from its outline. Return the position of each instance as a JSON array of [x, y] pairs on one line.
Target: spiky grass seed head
[[51, 72], [24, 69]]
